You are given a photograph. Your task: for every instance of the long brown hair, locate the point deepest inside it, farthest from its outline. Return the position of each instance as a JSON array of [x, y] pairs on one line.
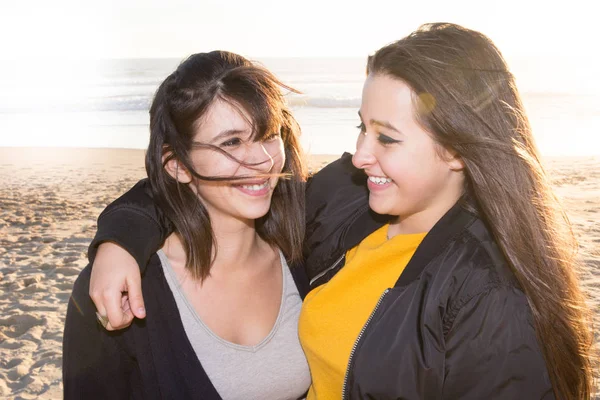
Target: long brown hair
[[467, 99], [179, 105]]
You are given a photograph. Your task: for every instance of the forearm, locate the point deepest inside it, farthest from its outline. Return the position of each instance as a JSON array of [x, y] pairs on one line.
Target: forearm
[[134, 222]]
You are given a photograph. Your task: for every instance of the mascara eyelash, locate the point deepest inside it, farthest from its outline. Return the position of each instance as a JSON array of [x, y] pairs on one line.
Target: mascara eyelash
[[384, 139]]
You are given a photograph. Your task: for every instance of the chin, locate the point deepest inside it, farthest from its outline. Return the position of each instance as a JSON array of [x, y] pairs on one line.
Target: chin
[[255, 213], [378, 207]]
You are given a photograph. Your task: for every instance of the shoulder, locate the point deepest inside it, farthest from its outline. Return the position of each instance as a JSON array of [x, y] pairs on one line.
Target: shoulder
[[479, 274], [337, 181], [485, 264], [331, 172], [135, 201], [337, 213], [333, 196]]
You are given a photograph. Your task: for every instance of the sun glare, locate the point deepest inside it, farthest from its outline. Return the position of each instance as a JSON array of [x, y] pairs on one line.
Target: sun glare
[[50, 64]]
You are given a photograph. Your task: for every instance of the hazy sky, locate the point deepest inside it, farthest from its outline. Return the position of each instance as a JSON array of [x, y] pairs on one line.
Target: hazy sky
[[550, 46], [152, 28]]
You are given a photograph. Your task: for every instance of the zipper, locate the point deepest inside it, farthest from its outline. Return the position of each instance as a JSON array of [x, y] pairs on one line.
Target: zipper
[[327, 270], [348, 369]]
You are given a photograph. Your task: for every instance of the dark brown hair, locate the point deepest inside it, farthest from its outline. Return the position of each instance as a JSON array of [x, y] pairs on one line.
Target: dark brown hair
[[467, 99], [178, 107]]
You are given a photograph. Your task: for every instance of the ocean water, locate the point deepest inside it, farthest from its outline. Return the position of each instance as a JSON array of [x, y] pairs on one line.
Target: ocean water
[[105, 104]]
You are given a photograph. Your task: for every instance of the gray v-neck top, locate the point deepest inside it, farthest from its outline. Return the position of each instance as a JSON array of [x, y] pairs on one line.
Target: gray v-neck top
[[275, 368]]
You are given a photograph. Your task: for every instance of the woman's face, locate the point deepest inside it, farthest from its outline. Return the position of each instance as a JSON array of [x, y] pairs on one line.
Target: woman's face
[[409, 175], [225, 127]]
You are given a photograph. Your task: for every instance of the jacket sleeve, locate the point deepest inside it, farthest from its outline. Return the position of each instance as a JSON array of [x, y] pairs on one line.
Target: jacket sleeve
[[492, 351], [95, 364], [134, 222]]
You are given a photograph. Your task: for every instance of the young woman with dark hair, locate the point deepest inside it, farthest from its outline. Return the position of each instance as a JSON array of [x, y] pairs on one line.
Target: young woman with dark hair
[[224, 167], [441, 265]]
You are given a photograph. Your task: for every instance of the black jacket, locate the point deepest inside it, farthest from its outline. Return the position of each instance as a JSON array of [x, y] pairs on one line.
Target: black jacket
[[151, 359], [456, 324]]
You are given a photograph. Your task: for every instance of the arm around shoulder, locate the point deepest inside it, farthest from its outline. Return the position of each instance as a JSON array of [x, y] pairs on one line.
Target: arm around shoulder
[[134, 222]]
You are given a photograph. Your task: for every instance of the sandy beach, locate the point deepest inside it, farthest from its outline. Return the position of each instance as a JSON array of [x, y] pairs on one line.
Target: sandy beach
[[49, 202]]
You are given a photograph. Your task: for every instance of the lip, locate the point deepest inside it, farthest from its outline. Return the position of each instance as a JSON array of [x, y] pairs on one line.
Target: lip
[[254, 193], [375, 187]]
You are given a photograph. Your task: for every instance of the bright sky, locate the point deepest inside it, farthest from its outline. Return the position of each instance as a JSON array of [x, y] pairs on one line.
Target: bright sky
[[550, 45], [153, 28]]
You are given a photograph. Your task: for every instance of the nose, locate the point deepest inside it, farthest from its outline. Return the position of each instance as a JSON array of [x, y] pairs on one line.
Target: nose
[[258, 158], [364, 156]]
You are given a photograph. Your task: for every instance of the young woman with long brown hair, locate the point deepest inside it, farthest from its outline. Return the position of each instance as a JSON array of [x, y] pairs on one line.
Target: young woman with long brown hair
[[224, 165], [441, 264]]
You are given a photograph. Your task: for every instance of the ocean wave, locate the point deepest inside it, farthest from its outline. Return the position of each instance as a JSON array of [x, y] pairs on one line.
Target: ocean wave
[[123, 103], [323, 102], [136, 103], [583, 106], [94, 104], [142, 103]]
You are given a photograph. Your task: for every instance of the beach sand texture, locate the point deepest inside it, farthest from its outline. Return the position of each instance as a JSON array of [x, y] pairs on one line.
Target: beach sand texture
[[50, 200]]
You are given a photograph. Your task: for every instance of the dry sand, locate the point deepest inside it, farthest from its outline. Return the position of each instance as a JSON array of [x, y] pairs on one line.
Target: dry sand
[[49, 202]]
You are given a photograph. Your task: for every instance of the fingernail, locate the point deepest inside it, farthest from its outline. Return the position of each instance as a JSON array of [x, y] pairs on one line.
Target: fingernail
[[141, 310]]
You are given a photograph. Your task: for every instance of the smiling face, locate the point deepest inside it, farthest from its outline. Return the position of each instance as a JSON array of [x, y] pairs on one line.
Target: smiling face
[[410, 176], [224, 126]]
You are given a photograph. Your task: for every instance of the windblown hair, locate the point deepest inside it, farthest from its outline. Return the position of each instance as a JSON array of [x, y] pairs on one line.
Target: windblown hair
[[466, 98], [179, 105]]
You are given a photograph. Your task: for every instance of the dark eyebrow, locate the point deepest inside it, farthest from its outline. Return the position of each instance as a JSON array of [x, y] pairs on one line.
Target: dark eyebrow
[[385, 124]]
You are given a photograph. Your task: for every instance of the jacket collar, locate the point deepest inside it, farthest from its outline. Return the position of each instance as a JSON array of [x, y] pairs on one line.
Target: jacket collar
[[448, 227]]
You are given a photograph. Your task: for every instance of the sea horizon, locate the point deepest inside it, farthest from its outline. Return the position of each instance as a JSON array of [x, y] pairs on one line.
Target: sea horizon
[[105, 105]]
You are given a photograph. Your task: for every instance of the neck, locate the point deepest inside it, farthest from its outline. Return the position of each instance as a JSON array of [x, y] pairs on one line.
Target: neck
[[235, 242]]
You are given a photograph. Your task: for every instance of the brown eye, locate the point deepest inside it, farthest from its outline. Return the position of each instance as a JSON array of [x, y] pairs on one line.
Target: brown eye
[[231, 142], [271, 137]]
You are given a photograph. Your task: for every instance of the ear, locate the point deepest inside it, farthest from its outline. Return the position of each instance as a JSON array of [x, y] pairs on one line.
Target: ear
[[177, 170], [454, 161]]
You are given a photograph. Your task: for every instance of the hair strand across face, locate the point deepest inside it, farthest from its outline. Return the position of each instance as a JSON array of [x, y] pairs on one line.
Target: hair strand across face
[[178, 108]]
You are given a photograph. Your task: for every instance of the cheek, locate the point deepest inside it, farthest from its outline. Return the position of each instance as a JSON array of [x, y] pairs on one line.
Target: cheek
[[211, 195], [409, 169], [214, 164], [276, 151], [425, 174], [202, 167]]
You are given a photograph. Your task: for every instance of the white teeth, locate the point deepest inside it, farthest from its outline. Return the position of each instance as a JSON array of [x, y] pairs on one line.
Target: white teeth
[[379, 180], [256, 187]]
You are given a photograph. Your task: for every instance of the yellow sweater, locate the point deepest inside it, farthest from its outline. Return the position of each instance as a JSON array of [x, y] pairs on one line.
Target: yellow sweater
[[333, 314]]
